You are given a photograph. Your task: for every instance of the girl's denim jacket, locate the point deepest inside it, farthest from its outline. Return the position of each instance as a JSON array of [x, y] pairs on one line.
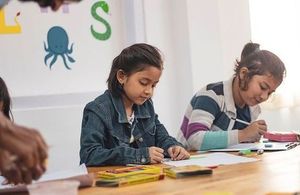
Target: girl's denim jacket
[[105, 133]]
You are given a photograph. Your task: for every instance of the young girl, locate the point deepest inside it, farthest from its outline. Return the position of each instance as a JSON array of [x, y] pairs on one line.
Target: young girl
[[4, 99], [120, 126], [225, 113]]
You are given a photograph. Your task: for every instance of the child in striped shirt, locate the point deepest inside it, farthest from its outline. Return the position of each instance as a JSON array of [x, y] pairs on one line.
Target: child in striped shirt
[[213, 117]]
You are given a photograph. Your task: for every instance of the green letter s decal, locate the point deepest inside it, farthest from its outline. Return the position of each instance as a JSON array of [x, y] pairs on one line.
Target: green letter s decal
[[104, 6]]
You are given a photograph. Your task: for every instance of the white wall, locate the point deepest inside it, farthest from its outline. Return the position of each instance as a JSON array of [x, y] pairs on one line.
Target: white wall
[[201, 40], [218, 30], [22, 54], [167, 29]]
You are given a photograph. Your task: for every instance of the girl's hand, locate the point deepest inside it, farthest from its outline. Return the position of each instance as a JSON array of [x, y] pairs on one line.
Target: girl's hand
[[156, 154], [25, 148], [253, 132], [178, 153]]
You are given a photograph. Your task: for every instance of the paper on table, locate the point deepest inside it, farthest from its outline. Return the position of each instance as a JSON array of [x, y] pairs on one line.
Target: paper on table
[[79, 173], [80, 170], [211, 159], [275, 146]]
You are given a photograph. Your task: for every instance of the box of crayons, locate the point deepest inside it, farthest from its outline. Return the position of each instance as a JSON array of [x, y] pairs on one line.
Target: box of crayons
[[128, 171], [129, 180], [129, 175], [187, 171]]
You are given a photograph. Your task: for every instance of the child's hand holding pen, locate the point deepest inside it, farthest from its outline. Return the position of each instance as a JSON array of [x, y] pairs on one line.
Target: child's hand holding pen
[[175, 152], [156, 155], [253, 131], [178, 153]]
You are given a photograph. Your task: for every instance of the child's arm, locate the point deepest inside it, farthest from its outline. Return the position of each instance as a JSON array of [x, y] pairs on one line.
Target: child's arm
[[163, 139], [172, 148], [94, 150], [196, 128], [97, 156]]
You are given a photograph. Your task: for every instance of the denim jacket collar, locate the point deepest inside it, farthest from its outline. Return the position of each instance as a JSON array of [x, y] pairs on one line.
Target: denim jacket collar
[[139, 111]]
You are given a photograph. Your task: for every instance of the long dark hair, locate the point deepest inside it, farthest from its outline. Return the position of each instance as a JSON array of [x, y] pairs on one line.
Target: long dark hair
[[5, 98], [131, 60]]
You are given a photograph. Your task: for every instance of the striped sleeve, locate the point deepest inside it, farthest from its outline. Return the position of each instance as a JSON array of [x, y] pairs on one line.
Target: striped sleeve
[[196, 128], [199, 116]]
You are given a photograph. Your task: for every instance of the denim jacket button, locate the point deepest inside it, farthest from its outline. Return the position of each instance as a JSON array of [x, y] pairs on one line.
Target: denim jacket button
[[143, 160], [141, 139]]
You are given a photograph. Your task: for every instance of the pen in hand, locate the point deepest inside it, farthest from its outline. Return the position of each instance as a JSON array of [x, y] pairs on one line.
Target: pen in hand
[[240, 121], [253, 131]]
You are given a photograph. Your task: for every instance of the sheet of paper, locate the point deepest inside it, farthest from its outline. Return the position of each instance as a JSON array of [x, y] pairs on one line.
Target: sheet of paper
[[273, 146], [80, 170], [211, 159]]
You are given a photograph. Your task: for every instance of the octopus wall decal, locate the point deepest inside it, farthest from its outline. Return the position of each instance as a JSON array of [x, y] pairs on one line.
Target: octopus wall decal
[[58, 42]]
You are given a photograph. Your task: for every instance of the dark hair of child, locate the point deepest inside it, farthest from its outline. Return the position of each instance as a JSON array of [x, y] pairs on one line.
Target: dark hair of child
[[5, 99], [259, 62], [131, 60]]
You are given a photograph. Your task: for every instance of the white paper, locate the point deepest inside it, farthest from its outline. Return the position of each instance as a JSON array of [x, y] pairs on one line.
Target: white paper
[[254, 146], [80, 170], [212, 159]]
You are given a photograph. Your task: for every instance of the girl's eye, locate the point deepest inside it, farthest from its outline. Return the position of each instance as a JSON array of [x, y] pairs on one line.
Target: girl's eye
[[263, 87], [143, 83]]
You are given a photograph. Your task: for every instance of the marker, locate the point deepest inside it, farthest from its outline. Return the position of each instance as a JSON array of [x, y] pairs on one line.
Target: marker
[[268, 145], [240, 121], [244, 152], [292, 145]]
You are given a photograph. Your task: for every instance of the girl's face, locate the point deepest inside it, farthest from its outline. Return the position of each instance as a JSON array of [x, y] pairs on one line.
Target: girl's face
[[139, 86], [260, 87]]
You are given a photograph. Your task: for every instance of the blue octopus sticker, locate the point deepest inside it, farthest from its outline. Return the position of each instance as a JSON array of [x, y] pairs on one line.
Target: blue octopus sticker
[[58, 42]]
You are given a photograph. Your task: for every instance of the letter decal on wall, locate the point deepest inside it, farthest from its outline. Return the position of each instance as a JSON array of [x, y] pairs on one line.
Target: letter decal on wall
[[58, 42], [6, 29], [104, 6]]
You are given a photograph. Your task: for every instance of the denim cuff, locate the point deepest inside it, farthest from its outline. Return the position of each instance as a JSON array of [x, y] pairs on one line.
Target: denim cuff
[[142, 156]]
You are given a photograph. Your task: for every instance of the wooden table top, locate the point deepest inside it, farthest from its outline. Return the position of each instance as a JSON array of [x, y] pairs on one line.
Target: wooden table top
[[275, 172]]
